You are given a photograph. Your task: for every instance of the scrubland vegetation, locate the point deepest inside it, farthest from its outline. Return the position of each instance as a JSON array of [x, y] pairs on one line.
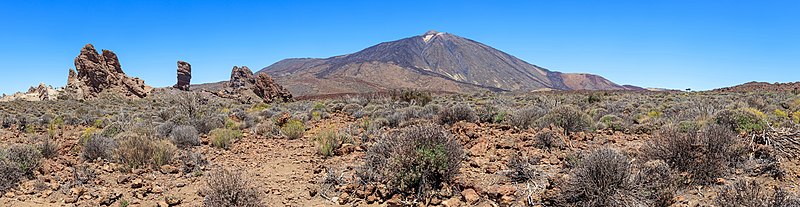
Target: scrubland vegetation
[[416, 148]]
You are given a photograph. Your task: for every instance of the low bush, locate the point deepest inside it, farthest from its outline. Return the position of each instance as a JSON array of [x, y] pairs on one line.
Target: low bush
[[751, 194], [412, 97], [704, 155], [47, 147], [134, 150], [456, 113], [549, 139], [98, 146], [417, 159], [293, 129], [748, 120], [266, 129], [222, 138], [163, 152], [184, 136], [603, 178], [568, 117], [526, 118], [10, 174], [230, 188], [26, 157], [329, 141], [521, 169]]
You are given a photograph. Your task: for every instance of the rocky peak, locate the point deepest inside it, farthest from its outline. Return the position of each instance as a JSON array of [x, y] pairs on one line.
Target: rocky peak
[[248, 88], [241, 77], [184, 76], [102, 72]]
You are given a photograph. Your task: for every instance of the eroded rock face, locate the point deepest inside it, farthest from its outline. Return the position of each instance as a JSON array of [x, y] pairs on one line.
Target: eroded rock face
[[98, 73], [40, 93], [248, 88], [267, 89], [241, 77], [184, 76]]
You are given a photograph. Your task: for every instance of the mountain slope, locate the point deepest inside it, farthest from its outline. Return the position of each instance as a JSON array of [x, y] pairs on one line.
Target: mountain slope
[[433, 61]]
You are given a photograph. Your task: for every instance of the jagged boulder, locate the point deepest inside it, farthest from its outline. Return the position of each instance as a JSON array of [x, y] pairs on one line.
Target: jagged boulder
[[102, 72], [267, 89], [247, 88], [241, 78], [184, 76]]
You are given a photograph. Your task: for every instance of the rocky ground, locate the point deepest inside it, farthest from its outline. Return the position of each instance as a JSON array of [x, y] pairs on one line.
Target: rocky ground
[[293, 172]]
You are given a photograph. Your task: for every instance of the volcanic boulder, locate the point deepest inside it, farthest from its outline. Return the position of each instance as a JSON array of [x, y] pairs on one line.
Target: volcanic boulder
[[267, 89], [246, 87], [184, 76], [98, 73], [241, 77]]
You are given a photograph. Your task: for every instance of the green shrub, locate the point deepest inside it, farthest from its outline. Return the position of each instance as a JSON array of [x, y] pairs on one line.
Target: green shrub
[[293, 129], [328, 141], [417, 158], [412, 97], [222, 138], [748, 120]]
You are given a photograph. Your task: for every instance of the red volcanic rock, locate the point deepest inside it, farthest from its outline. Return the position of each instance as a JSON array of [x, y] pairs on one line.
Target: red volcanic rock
[[267, 89], [248, 88], [184, 76], [241, 77], [98, 73]]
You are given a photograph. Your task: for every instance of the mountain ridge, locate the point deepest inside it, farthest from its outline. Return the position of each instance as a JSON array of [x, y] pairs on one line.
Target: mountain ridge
[[450, 62]]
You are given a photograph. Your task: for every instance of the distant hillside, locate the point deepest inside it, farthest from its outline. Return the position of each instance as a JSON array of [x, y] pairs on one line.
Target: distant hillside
[[433, 61], [762, 87]]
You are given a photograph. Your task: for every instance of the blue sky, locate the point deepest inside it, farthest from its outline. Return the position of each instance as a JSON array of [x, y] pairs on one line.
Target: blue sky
[[670, 44]]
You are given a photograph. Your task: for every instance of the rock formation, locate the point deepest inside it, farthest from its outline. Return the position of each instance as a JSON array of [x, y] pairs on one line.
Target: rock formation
[[267, 89], [40, 93], [184, 76], [102, 72], [246, 87]]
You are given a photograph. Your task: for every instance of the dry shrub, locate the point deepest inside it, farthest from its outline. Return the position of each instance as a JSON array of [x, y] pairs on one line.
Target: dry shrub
[[27, 158], [163, 152], [184, 136], [456, 113], [98, 146], [603, 178], [751, 194], [10, 174], [230, 188], [417, 159], [134, 150], [47, 147], [704, 155], [568, 117], [549, 139], [526, 118], [139, 151], [522, 169]]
